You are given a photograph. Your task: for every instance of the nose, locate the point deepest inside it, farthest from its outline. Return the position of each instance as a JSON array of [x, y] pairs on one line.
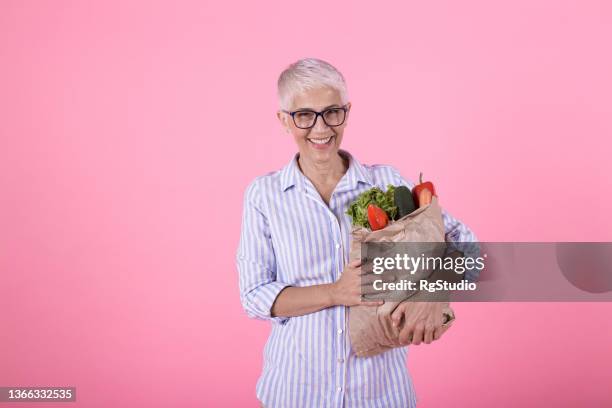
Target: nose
[[320, 125]]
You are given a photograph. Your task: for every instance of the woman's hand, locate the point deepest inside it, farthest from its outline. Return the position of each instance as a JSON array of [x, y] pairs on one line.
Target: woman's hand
[[422, 321], [346, 291]]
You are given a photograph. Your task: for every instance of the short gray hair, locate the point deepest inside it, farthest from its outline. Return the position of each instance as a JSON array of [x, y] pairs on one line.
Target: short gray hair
[[306, 74]]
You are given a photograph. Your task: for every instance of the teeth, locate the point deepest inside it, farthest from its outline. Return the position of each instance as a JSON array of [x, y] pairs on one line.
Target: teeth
[[320, 141]]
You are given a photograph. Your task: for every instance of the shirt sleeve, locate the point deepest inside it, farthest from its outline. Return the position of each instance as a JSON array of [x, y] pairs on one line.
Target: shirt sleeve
[[256, 261], [458, 235]]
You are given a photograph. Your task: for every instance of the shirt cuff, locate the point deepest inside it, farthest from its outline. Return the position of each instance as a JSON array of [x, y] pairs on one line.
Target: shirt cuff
[[264, 298]]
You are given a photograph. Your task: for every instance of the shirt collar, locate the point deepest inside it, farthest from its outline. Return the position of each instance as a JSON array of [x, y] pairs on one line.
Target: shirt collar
[[291, 175]]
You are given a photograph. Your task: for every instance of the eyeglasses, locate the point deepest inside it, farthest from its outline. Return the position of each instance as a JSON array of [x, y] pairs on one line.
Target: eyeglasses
[[306, 118]]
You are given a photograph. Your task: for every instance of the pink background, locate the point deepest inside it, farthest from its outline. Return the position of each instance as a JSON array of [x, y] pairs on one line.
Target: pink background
[[129, 131]]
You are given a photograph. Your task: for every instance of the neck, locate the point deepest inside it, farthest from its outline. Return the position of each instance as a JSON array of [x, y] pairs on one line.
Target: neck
[[324, 172]]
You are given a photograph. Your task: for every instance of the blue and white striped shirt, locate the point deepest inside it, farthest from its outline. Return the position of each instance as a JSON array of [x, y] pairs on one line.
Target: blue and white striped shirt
[[290, 237]]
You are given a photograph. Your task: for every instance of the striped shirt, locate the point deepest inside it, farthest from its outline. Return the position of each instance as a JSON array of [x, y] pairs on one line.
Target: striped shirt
[[290, 237]]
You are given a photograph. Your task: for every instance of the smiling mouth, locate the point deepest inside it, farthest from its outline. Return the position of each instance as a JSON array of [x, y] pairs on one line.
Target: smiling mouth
[[321, 141]]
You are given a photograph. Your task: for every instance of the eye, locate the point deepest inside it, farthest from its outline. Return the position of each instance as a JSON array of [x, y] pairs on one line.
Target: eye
[[332, 113], [304, 114]]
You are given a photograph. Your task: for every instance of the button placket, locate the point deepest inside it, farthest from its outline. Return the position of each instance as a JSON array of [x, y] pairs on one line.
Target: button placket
[[341, 370], [340, 261]]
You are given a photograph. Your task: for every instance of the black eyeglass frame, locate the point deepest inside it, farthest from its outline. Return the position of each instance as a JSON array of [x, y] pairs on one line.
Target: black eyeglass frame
[[317, 114]]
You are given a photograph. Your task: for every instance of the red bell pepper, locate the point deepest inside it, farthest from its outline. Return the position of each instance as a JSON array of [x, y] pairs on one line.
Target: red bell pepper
[[421, 196], [377, 217]]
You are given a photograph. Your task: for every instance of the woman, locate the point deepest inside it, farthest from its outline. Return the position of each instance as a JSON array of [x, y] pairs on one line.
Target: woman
[[292, 259]]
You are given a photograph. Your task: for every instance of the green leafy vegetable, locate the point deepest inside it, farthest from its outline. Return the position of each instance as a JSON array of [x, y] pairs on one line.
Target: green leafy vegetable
[[358, 210]]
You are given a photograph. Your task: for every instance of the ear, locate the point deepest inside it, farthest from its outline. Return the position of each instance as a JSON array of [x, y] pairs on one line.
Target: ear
[[283, 120], [348, 110]]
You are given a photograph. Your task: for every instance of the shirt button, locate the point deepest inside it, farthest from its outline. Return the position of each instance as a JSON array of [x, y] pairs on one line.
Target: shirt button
[[337, 246], [339, 331], [341, 360], [339, 389]]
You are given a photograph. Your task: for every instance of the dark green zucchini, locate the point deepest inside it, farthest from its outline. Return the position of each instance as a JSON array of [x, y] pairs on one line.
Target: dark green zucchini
[[402, 198]]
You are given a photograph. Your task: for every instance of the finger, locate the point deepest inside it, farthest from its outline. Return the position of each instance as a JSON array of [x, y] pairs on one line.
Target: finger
[[396, 316], [372, 303], [355, 263], [418, 334], [391, 333], [371, 298], [370, 290], [369, 279], [374, 290], [429, 334], [406, 335], [439, 332]]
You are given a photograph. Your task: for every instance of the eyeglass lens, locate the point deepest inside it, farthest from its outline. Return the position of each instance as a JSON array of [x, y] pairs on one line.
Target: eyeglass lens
[[306, 119]]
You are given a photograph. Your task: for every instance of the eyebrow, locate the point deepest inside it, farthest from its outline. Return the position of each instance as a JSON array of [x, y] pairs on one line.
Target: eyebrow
[[310, 109]]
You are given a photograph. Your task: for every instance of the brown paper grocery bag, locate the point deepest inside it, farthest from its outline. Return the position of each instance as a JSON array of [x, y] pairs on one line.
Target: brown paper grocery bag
[[370, 328]]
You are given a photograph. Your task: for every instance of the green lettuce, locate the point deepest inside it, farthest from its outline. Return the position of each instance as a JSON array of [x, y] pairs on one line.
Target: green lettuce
[[358, 210]]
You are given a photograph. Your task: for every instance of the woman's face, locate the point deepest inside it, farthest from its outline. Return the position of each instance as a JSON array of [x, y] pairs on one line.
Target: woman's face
[[317, 100]]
